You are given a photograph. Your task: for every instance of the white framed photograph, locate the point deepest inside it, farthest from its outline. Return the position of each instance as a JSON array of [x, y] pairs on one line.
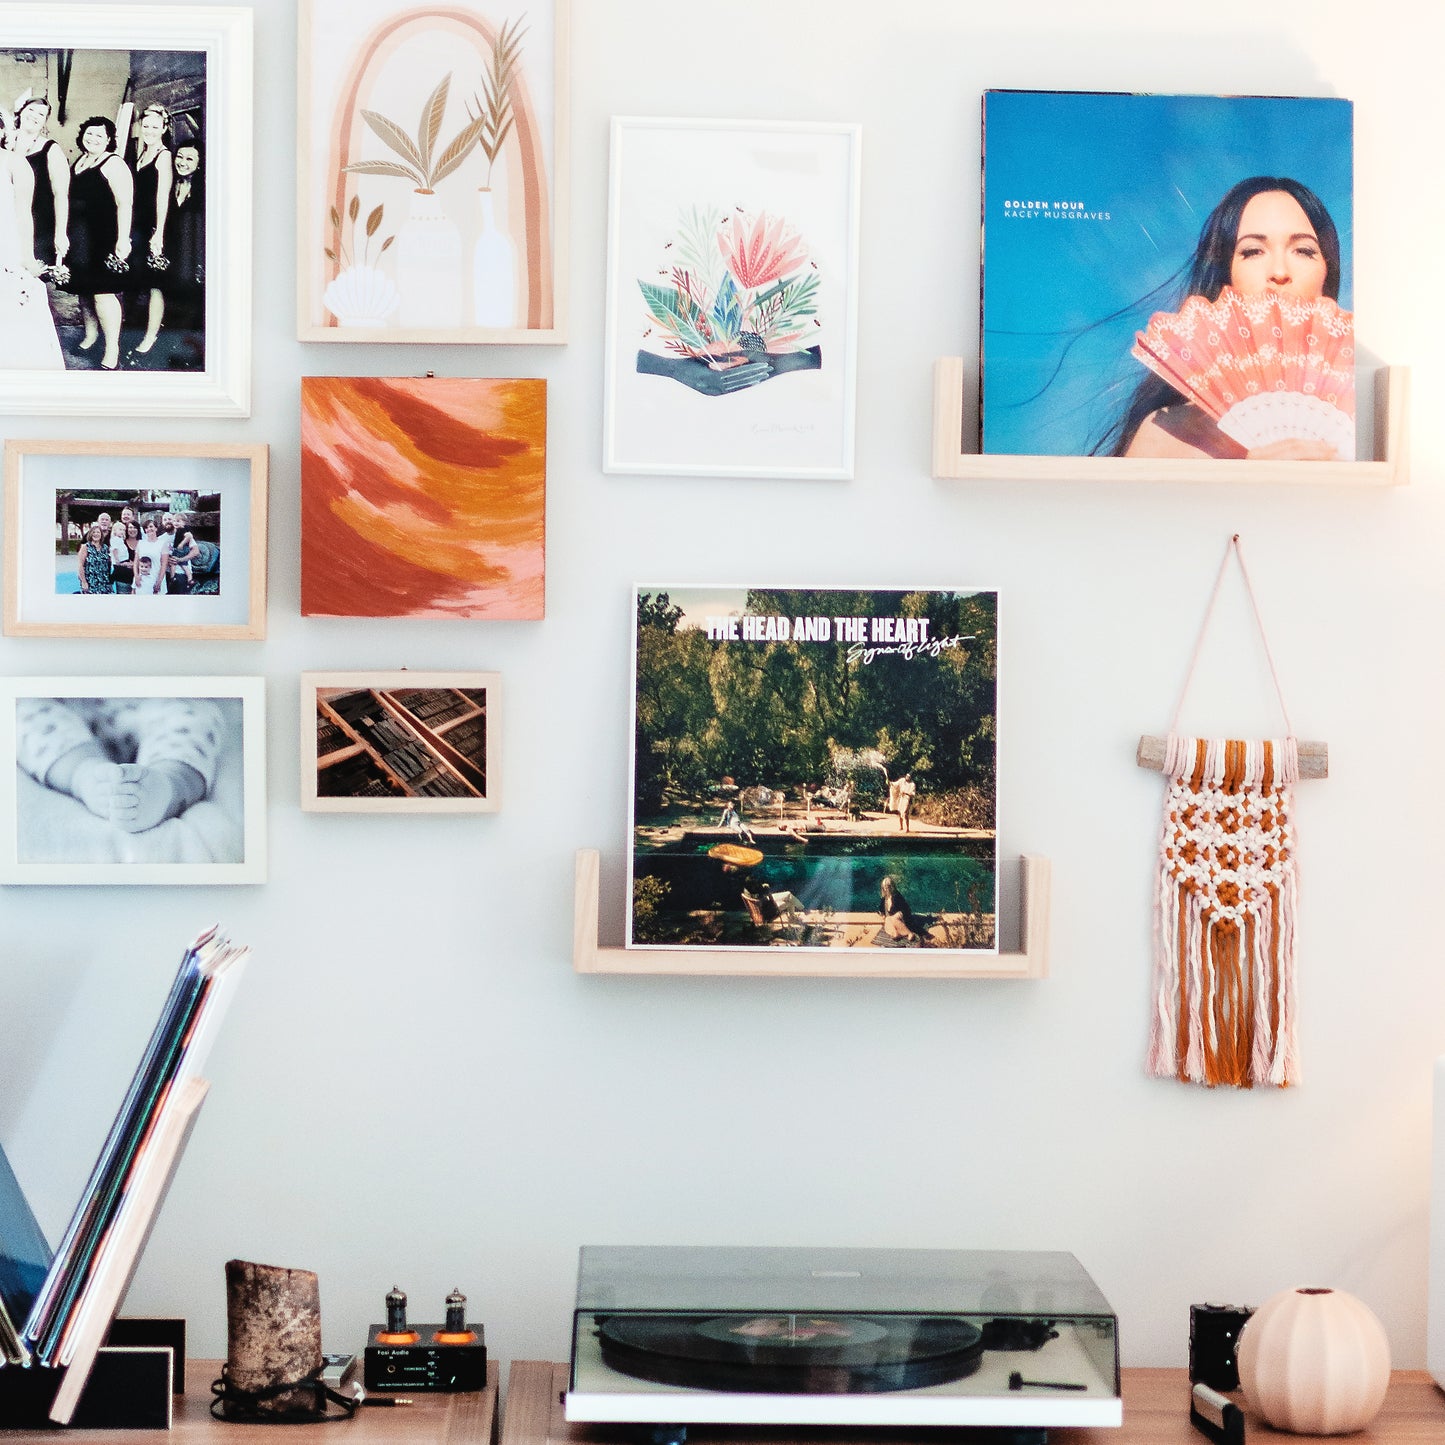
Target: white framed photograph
[[133, 780], [432, 171], [135, 539], [400, 742], [125, 210], [732, 298]]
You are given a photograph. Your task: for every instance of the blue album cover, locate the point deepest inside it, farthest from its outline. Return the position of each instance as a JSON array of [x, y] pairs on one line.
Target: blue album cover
[[24, 1253], [1101, 211]]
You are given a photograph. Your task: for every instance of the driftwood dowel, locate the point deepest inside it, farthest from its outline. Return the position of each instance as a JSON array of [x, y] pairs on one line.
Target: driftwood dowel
[[1314, 758]]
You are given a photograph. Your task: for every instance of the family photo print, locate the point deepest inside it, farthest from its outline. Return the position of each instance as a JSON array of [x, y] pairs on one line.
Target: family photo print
[[135, 539], [125, 209]]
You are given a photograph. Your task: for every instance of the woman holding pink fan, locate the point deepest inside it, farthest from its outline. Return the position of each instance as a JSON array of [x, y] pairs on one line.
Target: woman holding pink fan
[[1258, 360]]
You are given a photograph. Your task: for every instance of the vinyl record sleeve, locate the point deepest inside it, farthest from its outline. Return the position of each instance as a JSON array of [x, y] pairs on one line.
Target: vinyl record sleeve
[[1094, 205], [814, 768]]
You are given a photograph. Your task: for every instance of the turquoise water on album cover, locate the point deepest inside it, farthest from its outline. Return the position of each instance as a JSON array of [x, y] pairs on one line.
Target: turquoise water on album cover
[[1122, 186]]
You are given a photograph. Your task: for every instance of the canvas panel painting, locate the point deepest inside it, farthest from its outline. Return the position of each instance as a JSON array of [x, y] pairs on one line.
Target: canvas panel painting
[[423, 497], [732, 298], [433, 182], [1167, 276], [814, 768], [125, 210]]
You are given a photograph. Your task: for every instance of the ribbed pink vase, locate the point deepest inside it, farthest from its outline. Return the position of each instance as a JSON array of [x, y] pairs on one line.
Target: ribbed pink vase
[[1315, 1362]]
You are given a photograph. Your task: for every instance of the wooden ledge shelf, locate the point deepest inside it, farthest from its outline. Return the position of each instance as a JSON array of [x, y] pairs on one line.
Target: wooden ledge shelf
[[1390, 469], [1031, 960]]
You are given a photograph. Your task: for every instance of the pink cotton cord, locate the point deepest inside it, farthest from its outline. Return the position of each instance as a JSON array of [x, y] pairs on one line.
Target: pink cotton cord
[[1231, 547]]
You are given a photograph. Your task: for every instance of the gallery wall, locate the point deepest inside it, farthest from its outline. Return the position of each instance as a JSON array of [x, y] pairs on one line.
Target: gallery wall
[[414, 1088]]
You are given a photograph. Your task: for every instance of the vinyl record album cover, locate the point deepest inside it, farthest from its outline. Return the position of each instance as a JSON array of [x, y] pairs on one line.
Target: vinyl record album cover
[[1167, 276], [814, 769]]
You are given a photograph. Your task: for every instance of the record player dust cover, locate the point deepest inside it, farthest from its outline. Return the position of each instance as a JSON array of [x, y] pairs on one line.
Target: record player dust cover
[[1229, 219], [813, 769]]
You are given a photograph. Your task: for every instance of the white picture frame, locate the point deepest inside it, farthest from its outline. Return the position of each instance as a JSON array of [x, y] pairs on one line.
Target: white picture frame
[[224, 596], [98, 833], [145, 387], [426, 230], [345, 714], [732, 298]]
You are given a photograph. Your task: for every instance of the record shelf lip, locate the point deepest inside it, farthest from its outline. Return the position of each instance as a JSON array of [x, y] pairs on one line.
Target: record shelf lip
[[1390, 467], [1029, 961]]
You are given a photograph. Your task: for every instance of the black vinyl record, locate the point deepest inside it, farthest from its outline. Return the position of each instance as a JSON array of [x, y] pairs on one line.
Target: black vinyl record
[[800, 1354]]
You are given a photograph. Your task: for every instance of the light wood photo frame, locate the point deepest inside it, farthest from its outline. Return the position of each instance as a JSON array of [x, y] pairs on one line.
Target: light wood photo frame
[[432, 171], [400, 742], [202, 575]]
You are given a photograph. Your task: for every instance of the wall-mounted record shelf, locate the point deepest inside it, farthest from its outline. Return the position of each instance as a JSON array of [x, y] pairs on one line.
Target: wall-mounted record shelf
[[1031, 960], [951, 463]]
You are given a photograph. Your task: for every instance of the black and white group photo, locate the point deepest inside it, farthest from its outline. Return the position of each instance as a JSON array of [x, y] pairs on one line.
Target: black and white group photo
[[103, 210]]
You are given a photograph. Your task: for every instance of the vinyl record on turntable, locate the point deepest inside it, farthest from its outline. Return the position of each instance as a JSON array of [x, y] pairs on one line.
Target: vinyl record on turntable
[[803, 1354]]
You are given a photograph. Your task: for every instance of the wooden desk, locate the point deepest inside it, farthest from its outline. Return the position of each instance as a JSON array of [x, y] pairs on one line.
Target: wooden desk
[[1156, 1412], [463, 1419]]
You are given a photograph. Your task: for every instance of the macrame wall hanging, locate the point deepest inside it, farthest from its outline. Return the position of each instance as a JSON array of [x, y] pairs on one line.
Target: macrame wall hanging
[[1227, 898]]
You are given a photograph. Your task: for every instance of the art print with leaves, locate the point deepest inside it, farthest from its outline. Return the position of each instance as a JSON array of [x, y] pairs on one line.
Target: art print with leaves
[[735, 303], [433, 159], [732, 271]]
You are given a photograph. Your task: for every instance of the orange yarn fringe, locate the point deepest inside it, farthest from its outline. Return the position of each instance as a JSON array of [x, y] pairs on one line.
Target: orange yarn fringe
[[1225, 911]]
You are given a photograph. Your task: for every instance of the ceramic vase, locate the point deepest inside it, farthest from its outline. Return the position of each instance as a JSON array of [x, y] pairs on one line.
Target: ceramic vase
[[494, 270], [1314, 1362], [429, 266], [361, 296]]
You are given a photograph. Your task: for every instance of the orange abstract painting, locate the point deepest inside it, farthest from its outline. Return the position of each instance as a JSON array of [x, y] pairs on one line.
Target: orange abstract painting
[[423, 497]]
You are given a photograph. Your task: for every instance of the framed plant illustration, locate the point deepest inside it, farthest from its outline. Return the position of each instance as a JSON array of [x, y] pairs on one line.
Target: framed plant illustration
[[423, 497], [399, 742], [126, 254], [732, 298], [432, 170], [133, 780], [135, 539]]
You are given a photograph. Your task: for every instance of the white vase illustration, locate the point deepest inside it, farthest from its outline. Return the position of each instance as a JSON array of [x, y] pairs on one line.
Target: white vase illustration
[[494, 270], [361, 296], [429, 266]]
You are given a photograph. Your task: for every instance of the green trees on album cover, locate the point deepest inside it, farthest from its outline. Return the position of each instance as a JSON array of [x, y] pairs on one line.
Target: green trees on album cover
[[786, 713]]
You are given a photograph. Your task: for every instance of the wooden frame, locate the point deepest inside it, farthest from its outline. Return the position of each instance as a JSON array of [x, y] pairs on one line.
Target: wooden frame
[[334, 207], [55, 829], [224, 34], [1029, 960], [666, 410], [32, 609], [1391, 467], [458, 768]]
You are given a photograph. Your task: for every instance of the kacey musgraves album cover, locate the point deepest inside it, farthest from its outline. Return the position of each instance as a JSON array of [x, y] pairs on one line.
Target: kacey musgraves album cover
[[813, 769], [1167, 276]]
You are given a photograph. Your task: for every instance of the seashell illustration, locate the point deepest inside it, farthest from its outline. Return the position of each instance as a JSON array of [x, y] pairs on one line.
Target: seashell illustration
[[361, 296]]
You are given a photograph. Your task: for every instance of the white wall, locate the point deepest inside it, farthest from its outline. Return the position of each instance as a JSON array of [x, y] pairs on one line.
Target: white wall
[[414, 1088]]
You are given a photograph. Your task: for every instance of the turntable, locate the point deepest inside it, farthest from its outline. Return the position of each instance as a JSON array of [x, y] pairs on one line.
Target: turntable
[[841, 1337]]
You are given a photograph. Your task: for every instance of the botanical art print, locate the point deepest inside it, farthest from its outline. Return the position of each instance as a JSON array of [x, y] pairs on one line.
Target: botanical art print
[[739, 304], [1168, 276], [423, 497], [431, 163], [814, 769], [732, 299]]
